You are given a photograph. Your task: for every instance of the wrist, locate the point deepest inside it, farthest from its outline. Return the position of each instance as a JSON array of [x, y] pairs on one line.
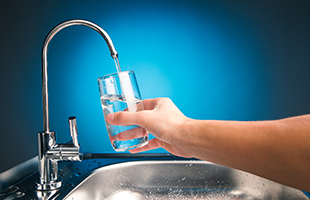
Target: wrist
[[191, 137]]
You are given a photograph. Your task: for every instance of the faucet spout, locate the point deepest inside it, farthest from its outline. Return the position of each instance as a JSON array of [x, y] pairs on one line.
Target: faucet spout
[[49, 151], [47, 40]]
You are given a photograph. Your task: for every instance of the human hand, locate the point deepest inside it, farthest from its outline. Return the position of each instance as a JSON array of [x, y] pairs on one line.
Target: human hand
[[161, 118], [248, 146]]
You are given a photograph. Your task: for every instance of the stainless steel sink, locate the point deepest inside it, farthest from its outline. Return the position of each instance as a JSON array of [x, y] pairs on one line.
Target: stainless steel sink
[[142, 176], [181, 179]]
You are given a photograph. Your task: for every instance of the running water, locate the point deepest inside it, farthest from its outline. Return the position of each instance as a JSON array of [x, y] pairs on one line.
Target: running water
[[118, 67], [121, 78]]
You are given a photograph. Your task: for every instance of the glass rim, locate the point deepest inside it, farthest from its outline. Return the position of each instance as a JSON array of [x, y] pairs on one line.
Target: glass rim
[[115, 74]]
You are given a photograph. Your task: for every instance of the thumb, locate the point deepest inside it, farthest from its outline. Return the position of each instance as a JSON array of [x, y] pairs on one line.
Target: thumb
[[122, 118]]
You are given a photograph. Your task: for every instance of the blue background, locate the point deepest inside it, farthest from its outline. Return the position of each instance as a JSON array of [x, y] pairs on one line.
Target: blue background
[[224, 60]]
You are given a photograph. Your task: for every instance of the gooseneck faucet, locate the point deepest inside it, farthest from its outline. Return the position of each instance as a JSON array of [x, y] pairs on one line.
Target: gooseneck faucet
[[49, 151]]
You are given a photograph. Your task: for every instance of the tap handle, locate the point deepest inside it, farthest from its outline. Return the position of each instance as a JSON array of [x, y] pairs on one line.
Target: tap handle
[[73, 130]]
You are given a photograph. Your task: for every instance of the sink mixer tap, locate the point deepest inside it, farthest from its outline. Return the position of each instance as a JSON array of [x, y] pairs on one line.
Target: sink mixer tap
[[49, 151]]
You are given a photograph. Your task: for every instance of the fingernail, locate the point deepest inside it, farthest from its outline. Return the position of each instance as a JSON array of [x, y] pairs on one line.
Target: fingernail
[[110, 117], [133, 151]]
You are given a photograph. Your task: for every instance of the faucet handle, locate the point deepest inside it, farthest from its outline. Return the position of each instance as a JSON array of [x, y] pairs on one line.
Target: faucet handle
[[73, 130]]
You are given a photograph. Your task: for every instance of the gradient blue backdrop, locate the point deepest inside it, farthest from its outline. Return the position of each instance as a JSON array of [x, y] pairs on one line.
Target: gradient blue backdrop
[[225, 60]]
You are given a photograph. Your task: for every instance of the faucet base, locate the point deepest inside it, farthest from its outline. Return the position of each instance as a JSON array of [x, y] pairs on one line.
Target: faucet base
[[53, 185]]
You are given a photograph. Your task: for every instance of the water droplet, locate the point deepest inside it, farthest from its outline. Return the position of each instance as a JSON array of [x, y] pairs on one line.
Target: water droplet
[[19, 194], [70, 184]]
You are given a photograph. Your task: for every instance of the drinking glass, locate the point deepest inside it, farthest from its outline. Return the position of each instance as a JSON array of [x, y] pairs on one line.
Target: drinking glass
[[119, 92]]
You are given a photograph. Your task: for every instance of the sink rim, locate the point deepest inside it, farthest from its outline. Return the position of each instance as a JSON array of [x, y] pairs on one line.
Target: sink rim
[[98, 160], [133, 163]]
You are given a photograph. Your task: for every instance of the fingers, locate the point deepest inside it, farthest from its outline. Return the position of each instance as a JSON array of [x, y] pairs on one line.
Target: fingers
[[131, 134], [153, 144], [122, 118], [130, 118], [133, 107], [149, 104]]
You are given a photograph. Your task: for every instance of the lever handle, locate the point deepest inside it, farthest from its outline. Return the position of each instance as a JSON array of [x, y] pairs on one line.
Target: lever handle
[[73, 130]]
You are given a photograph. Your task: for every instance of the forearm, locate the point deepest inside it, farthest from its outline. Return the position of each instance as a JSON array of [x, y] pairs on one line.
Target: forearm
[[278, 150], [270, 149]]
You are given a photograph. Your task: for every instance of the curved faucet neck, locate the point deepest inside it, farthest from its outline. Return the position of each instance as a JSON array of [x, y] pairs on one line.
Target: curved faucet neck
[[47, 40]]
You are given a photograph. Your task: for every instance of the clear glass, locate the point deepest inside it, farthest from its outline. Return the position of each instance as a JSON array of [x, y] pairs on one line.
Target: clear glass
[[120, 92]]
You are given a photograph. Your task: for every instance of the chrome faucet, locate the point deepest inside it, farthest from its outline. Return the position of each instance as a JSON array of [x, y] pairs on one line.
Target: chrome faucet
[[49, 151]]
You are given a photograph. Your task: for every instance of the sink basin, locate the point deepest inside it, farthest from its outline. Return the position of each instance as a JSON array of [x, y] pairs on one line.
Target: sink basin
[[177, 179], [143, 176]]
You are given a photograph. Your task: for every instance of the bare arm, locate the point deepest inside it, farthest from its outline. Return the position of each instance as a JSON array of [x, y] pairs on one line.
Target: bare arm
[[278, 150]]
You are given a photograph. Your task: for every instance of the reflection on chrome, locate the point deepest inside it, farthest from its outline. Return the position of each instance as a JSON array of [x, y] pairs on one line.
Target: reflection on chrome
[[49, 151]]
